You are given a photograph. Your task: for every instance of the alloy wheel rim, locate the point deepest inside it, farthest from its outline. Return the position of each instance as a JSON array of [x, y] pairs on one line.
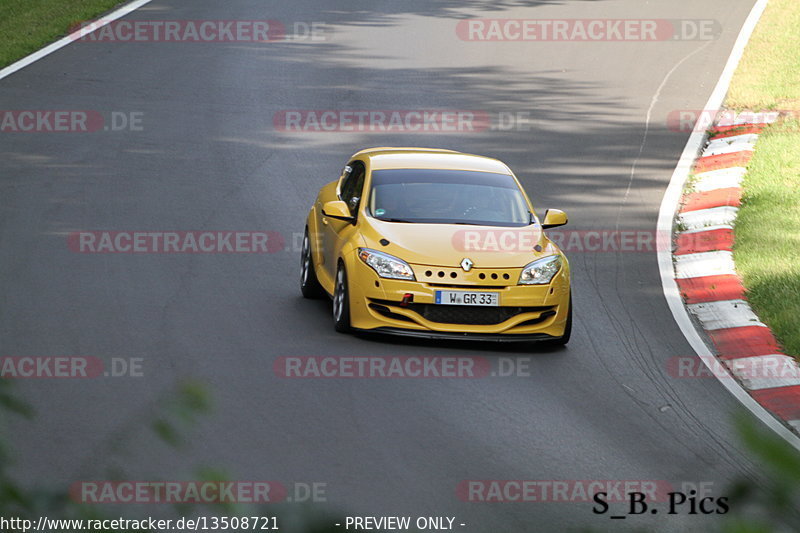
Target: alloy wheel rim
[[338, 299], [306, 260]]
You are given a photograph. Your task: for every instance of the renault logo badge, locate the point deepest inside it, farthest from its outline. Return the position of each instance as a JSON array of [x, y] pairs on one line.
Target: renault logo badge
[[466, 264]]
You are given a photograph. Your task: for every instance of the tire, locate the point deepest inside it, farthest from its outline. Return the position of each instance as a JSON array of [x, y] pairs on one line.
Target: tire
[[309, 285], [341, 302], [564, 339]]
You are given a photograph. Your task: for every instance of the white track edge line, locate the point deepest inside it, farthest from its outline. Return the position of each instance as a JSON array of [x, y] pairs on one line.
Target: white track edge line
[[666, 214], [71, 38]]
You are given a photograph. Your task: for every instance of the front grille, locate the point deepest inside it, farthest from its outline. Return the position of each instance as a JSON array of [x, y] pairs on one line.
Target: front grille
[[464, 314]]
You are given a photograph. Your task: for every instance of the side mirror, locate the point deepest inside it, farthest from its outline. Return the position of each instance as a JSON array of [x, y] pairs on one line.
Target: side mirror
[[554, 218], [337, 209]]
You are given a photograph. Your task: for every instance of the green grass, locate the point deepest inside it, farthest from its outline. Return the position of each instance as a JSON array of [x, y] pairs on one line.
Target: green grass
[[27, 25], [768, 77], [767, 246]]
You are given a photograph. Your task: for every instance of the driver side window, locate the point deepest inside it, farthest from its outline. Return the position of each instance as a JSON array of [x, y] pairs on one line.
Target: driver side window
[[353, 185]]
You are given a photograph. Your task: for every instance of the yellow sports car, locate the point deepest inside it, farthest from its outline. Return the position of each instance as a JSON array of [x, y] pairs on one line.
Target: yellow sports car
[[436, 243]]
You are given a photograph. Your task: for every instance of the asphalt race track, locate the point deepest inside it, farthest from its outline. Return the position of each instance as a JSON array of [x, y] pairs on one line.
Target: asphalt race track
[[594, 142]]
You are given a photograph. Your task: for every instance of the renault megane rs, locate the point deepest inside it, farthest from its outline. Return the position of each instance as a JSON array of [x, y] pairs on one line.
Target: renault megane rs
[[436, 243]]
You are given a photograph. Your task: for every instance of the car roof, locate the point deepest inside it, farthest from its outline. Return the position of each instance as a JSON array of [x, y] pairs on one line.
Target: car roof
[[390, 157]]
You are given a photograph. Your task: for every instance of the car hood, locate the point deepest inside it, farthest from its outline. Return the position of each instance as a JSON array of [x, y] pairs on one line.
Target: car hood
[[448, 244]]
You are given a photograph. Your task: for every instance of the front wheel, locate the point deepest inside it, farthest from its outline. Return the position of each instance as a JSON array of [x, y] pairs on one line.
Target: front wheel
[[341, 302]]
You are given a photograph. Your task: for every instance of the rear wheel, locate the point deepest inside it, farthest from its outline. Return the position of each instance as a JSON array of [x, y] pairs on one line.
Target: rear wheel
[[309, 285], [341, 302]]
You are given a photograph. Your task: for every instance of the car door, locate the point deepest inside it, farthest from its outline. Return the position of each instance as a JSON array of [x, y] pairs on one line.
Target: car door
[[336, 232]]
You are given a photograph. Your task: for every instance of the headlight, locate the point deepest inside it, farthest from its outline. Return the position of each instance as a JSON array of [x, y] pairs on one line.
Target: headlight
[[541, 271], [387, 266]]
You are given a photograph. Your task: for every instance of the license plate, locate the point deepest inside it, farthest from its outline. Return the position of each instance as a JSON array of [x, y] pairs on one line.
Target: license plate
[[489, 299]]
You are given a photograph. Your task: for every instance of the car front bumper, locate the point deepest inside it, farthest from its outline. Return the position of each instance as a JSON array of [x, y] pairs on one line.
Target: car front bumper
[[526, 312]]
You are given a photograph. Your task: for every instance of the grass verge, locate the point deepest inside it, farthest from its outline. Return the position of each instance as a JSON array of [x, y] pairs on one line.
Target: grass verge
[[28, 25], [767, 246]]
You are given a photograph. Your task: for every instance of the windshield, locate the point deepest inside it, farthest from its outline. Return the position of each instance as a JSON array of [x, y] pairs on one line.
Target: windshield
[[447, 197]]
